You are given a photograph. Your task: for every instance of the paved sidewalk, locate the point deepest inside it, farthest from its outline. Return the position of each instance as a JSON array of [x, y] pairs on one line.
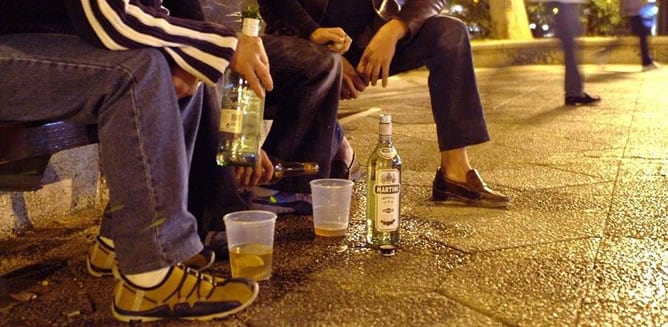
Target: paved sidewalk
[[585, 242]]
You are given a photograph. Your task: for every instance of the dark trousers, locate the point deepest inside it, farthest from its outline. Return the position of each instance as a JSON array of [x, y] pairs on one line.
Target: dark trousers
[[568, 27], [443, 46], [640, 30], [303, 105]]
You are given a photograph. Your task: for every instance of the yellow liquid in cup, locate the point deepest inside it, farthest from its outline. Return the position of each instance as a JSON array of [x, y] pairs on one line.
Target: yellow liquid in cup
[[252, 261], [331, 230]]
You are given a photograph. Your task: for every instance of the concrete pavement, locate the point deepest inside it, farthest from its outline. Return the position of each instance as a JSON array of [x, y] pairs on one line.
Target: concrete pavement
[[585, 242]]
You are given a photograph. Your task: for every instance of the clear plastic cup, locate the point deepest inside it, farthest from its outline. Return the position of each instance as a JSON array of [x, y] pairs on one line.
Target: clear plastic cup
[[250, 238], [331, 206]]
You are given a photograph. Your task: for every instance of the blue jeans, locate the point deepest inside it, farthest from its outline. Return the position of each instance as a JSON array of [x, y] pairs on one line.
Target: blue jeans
[[146, 136]]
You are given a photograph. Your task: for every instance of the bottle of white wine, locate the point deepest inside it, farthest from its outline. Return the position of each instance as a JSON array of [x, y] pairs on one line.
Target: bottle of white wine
[[241, 115], [283, 169], [384, 189]]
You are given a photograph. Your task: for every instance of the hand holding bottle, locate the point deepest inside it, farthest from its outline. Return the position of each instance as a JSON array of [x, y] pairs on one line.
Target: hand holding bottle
[[250, 60], [262, 173]]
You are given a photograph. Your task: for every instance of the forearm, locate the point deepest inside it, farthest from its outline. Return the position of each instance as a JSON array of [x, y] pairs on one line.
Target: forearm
[[202, 49], [395, 29]]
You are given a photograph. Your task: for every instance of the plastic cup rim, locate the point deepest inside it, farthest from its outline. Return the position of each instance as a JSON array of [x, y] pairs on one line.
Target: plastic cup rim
[[271, 217], [343, 182]]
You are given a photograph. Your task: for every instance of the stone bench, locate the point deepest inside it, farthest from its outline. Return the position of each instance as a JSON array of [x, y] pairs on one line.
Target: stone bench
[[27, 147]]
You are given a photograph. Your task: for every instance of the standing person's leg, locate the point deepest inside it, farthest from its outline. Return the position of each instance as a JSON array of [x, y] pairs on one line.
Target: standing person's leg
[[303, 105], [144, 148], [568, 26], [639, 29]]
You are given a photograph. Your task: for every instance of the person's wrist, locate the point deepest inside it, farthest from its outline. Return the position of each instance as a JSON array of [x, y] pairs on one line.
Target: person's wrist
[[397, 28]]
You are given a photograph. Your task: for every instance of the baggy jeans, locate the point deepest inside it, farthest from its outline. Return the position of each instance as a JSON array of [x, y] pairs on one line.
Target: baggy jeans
[[146, 136]]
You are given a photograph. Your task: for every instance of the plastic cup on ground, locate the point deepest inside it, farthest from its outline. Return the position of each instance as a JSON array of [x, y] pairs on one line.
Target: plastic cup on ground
[[331, 206], [250, 238]]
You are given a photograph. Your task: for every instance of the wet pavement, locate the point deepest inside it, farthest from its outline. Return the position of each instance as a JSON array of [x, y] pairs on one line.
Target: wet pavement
[[585, 242]]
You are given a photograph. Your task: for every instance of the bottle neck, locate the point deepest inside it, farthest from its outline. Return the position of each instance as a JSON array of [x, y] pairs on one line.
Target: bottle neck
[[292, 168], [250, 26], [385, 133]]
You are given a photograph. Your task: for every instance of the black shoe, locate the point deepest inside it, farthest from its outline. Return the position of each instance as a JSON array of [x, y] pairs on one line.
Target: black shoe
[[474, 192], [584, 99], [339, 169]]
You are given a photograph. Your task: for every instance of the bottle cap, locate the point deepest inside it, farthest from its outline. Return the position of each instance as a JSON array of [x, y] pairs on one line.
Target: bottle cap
[[311, 167], [388, 250], [385, 126]]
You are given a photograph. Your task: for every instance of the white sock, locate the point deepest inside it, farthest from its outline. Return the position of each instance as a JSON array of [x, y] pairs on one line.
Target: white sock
[[107, 241], [148, 279]]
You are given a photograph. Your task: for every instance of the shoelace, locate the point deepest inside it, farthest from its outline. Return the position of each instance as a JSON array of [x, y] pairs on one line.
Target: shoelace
[[200, 277]]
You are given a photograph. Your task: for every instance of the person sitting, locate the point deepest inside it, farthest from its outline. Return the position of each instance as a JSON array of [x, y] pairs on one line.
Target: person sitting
[[381, 38], [136, 69]]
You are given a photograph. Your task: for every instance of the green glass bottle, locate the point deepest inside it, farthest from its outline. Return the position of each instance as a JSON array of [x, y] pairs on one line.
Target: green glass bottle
[[384, 189], [241, 115]]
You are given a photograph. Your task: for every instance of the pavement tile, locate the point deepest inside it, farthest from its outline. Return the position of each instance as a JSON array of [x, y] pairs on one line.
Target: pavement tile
[[631, 280], [538, 286]]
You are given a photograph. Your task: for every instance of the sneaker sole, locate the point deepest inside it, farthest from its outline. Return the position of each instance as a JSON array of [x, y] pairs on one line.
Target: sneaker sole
[[97, 272], [128, 319]]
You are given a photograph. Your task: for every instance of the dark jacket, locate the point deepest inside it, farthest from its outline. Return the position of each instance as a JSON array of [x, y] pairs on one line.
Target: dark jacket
[[302, 17], [176, 27], [51, 16]]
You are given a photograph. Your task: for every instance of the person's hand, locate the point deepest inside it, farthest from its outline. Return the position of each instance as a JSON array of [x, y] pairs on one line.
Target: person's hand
[[260, 174], [250, 60], [353, 84], [335, 37], [185, 84], [377, 57]]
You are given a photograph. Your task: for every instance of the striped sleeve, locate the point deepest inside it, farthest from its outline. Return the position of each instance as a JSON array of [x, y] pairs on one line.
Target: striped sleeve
[[200, 48]]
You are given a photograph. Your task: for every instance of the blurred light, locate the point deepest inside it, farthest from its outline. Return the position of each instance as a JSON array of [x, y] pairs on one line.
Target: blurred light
[[458, 9], [532, 26], [545, 27], [555, 10]]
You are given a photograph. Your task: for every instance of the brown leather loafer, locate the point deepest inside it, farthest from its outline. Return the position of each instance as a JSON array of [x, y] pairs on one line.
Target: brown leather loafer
[[474, 192]]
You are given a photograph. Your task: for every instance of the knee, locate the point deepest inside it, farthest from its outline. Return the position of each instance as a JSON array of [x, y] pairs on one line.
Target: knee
[[322, 65], [326, 61], [448, 33], [148, 64]]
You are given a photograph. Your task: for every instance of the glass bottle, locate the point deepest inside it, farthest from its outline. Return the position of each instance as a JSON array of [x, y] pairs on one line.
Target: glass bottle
[[284, 169], [384, 189], [241, 115]]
